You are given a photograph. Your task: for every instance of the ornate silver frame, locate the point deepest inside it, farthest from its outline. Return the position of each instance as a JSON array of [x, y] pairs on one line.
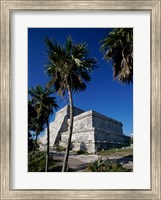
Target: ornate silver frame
[[7, 6]]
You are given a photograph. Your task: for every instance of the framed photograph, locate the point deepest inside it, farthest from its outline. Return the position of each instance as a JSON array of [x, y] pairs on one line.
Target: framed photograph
[[97, 63]]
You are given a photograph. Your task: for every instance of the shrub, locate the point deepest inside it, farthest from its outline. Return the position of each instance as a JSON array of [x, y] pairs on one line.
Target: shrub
[[37, 161], [80, 152], [105, 166], [130, 142]]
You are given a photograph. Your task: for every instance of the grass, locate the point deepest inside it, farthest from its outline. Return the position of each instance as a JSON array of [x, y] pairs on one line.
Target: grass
[[116, 152], [37, 160], [113, 151]]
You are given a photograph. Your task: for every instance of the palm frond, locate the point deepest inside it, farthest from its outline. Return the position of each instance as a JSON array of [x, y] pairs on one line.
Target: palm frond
[[118, 47], [68, 66]]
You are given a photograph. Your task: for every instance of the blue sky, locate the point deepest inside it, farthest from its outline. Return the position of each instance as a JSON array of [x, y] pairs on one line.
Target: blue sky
[[103, 94]]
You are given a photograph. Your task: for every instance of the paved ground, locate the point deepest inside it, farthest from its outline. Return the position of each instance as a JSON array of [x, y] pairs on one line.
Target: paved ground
[[79, 162]]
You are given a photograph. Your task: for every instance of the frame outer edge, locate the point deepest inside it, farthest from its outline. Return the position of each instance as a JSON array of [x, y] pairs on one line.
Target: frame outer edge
[[156, 119], [6, 193], [5, 100]]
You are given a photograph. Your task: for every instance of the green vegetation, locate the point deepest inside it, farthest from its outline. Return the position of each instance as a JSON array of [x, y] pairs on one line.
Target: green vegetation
[[81, 152], [42, 103], [105, 166], [31, 143], [37, 162], [35, 124], [116, 152], [130, 141]]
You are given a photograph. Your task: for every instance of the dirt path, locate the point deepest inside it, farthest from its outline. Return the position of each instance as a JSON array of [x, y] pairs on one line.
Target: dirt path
[[79, 162]]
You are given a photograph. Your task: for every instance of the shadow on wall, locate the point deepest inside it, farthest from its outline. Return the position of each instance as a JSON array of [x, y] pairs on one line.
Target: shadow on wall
[[63, 128], [81, 148]]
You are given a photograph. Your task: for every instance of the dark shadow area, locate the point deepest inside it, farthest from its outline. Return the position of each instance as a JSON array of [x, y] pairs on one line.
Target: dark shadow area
[[125, 159], [57, 154], [79, 167], [56, 169], [83, 147]]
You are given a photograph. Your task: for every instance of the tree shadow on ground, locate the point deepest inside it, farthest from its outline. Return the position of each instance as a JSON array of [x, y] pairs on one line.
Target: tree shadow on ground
[[125, 159], [79, 168]]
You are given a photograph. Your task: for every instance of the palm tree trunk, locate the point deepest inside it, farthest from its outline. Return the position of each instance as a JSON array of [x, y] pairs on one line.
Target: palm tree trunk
[[65, 163], [48, 146]]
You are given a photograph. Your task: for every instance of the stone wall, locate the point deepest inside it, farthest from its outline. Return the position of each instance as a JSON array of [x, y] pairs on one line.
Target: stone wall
[[91, 131], [59, 125], [81, 141], [106, 123], [106, 140], [83, 122]]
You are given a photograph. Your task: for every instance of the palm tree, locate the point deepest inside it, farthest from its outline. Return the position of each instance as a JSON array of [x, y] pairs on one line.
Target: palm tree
[[118, 47], [35, 122], [44, 104], [31, 116], [69, 69], [34, 126]]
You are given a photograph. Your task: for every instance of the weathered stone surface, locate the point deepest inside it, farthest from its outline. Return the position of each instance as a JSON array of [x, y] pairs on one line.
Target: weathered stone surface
[[91, 131]]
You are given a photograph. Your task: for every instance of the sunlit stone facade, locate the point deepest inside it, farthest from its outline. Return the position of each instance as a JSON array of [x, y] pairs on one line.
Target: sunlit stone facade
[[92, 131]]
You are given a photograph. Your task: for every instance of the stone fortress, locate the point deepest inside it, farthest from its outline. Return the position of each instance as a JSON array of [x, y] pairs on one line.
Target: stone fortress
[[91, 131]]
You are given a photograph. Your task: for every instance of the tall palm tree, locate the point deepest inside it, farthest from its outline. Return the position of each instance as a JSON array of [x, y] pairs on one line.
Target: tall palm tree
[[118, 47], [69, 69], [44, 104]]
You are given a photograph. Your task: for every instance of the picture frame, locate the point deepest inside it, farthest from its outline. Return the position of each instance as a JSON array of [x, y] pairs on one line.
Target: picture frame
[[5, 115]]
